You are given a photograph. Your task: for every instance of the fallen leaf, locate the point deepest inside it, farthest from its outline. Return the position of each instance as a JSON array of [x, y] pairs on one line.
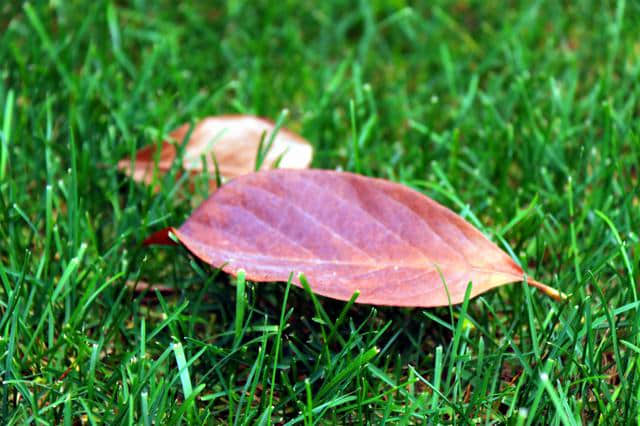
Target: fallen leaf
[[233, 139], [346, 233]]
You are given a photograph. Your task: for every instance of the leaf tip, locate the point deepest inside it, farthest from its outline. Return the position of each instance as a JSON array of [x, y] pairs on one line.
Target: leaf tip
[[161, 238]]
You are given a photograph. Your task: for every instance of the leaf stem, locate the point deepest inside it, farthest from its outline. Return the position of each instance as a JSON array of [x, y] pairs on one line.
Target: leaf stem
[[549, 291]]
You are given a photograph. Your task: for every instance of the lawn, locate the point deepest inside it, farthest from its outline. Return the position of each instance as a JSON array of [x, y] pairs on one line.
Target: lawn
[[522, 118]]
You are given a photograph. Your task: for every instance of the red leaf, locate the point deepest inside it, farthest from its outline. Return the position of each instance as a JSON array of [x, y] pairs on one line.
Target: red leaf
[[346, 232], [233, 139], [160, 237]]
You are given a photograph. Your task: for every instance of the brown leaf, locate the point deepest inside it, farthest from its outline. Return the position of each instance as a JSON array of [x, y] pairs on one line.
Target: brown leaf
[[233, 139], [346, 232]]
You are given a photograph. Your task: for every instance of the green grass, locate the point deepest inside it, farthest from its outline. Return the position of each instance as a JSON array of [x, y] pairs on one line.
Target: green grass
[[523, 119]]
